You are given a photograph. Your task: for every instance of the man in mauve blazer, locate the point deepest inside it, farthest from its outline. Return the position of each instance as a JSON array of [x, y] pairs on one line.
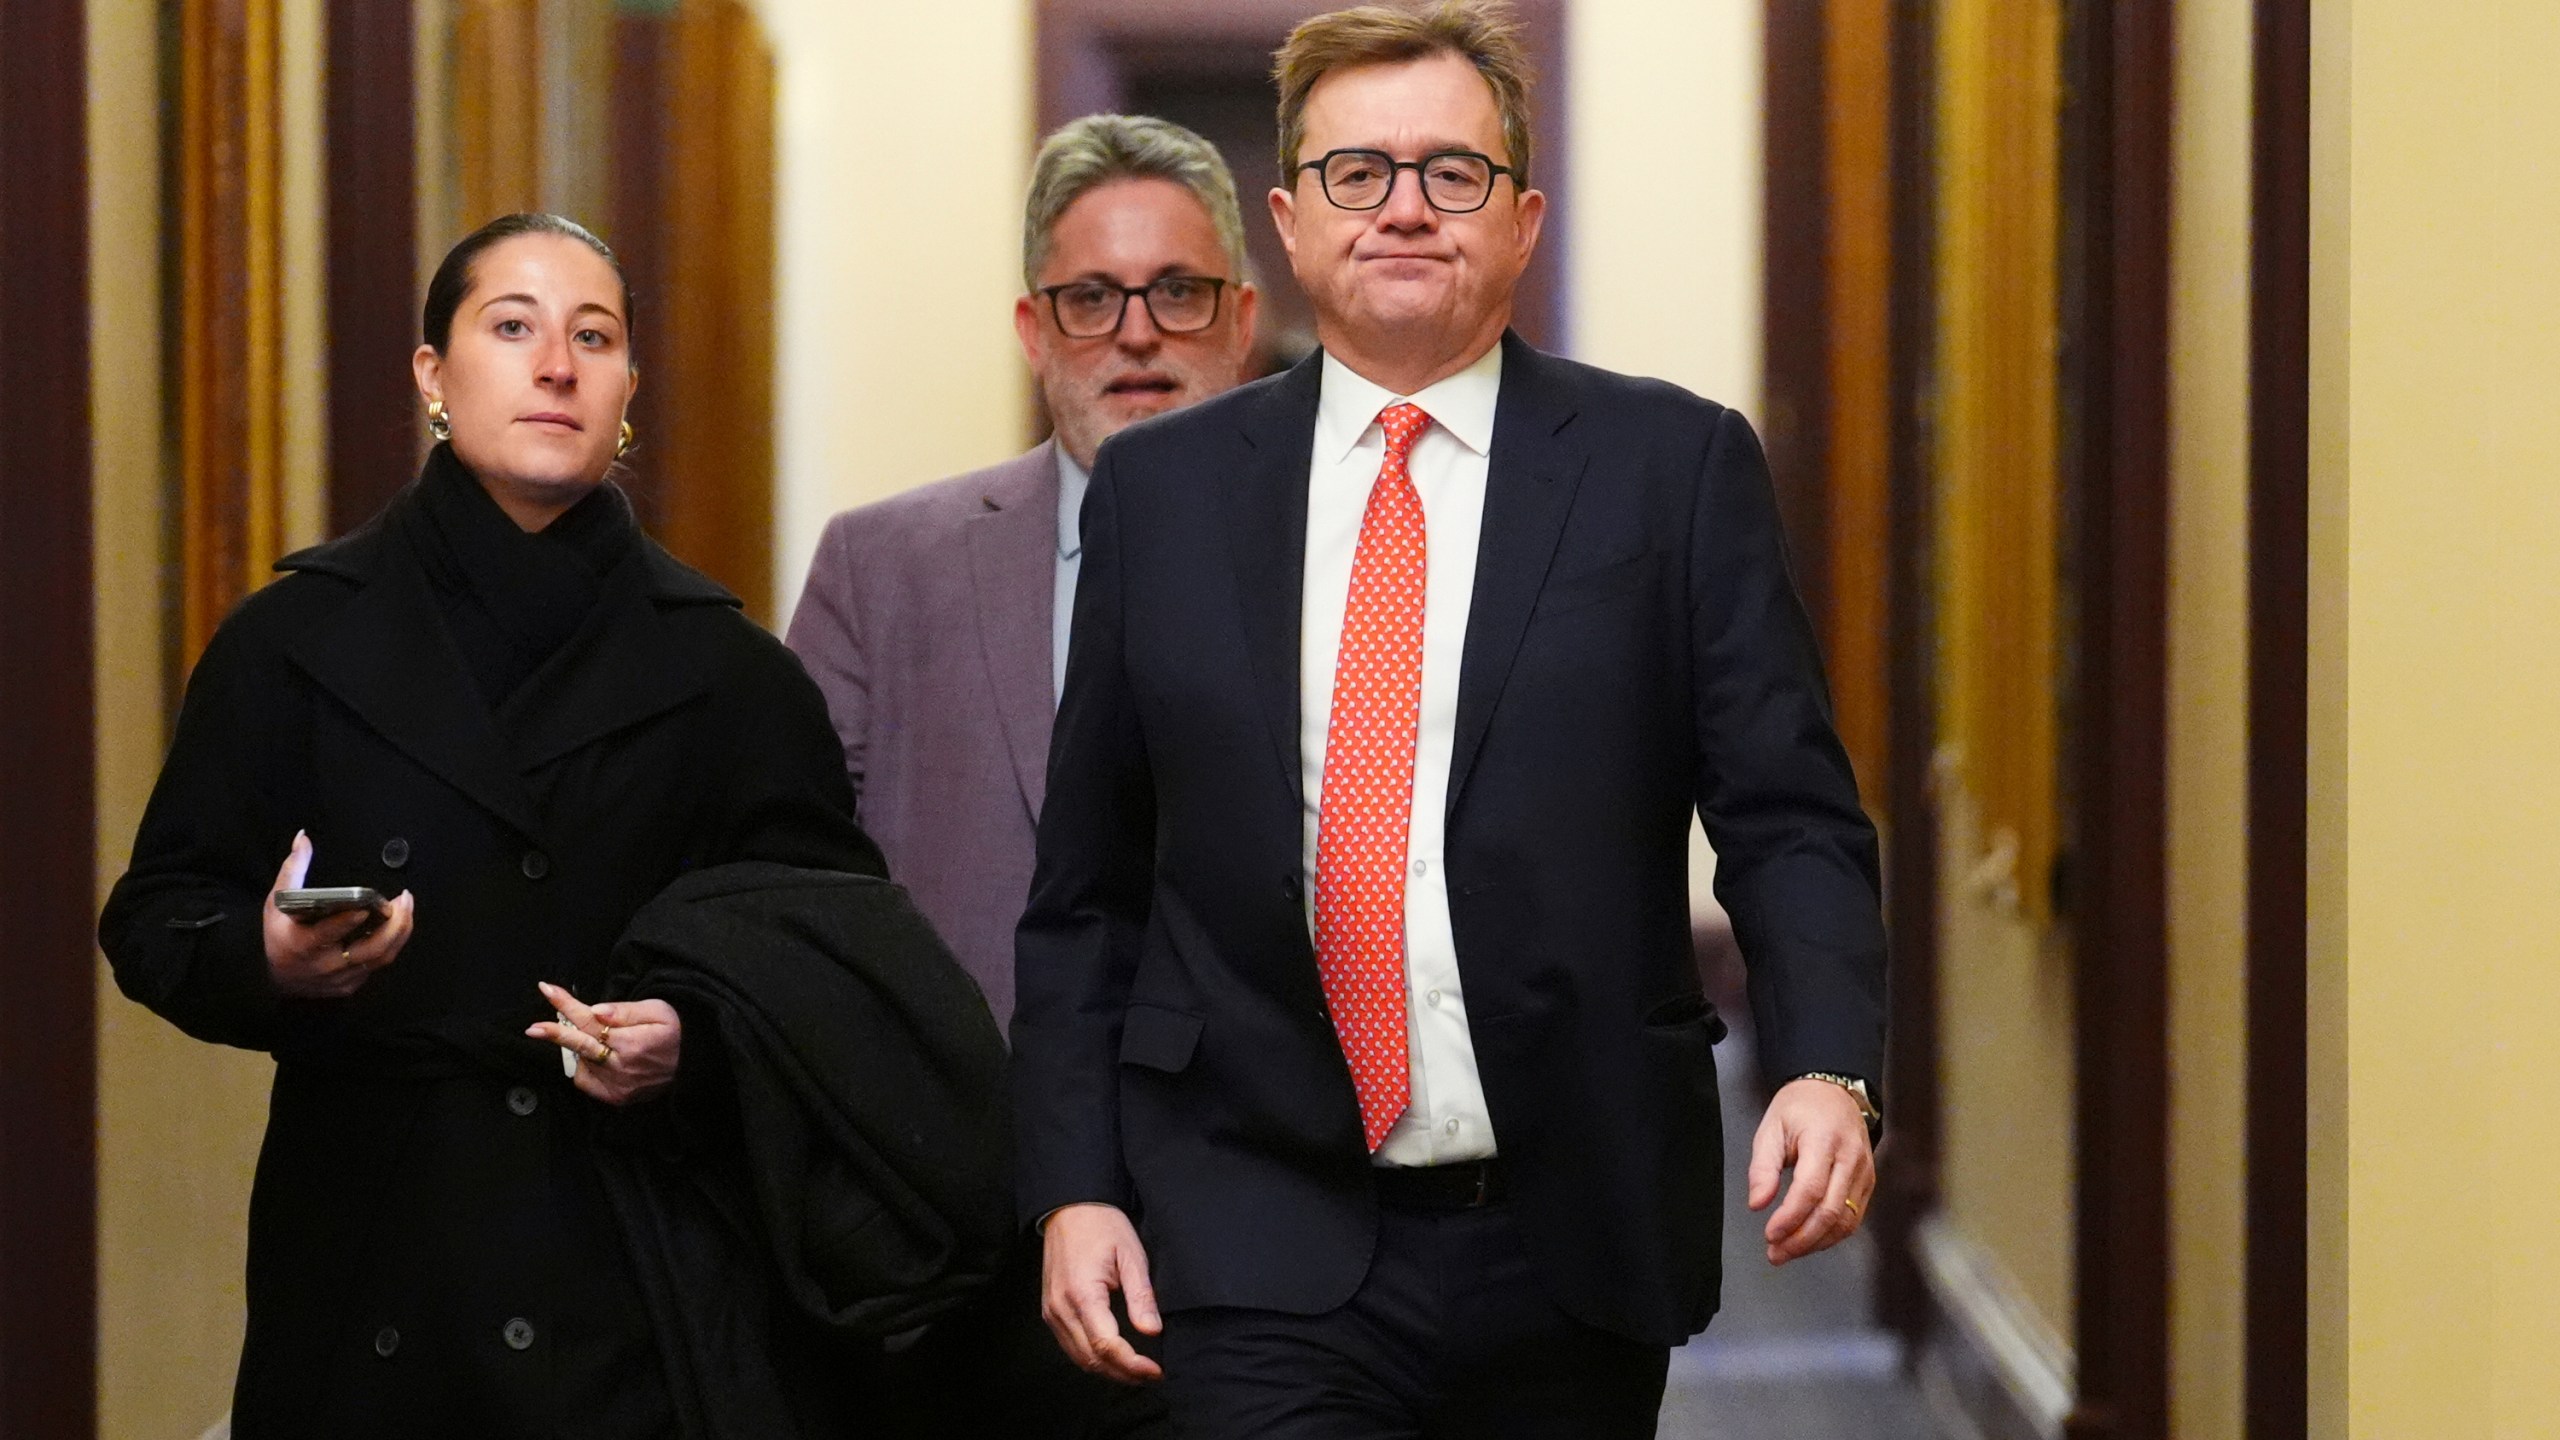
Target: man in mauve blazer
[[1501, 1227], [926, 622], [935, 624]]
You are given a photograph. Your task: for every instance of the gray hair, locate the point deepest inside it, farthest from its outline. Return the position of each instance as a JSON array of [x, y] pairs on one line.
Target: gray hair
[[1097, 149]]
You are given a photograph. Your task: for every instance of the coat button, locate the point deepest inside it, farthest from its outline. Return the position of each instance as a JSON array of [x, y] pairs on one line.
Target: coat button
[[536, 865], [522, 1100], [385, 1341], [1292, 886], [395, 853], [519, 1334]]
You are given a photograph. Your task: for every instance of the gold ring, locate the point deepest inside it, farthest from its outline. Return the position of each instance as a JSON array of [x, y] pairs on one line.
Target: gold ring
[[604, 1050], [1852, 1204]]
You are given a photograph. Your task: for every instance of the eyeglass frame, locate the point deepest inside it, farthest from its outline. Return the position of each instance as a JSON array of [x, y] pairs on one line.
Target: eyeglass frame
[[1145, 295], [1396, 166]]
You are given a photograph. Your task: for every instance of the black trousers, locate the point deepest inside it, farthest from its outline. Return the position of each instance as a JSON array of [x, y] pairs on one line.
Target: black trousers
[[994, 1372], [1450, 1337]]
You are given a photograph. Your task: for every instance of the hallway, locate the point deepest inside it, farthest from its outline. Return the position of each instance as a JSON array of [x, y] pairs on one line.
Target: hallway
[[1796, 1353]]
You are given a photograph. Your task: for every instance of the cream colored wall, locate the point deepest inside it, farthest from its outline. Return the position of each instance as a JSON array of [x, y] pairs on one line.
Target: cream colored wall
[[178, 1120], [2451, 546], [2005, 1080], [2208, 707], [905, 139], [1664, 279]]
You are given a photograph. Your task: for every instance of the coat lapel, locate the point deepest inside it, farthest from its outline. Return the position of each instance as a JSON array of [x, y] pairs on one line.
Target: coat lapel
[[1267, 536], [385, 655], [620, 668], [1529, 488], [1013, 548]]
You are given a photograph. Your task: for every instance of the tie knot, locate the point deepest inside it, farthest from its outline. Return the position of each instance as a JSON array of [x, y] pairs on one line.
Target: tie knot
[[1404, 424]]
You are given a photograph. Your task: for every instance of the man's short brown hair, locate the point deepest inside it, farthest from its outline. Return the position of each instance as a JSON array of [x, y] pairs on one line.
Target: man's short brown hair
[[1481, 31]]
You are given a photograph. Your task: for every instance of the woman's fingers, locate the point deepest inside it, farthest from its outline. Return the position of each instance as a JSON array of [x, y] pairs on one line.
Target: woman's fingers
[[629, 1049], [371, 950], [584, 1044], [297, 864], [571, 1008]]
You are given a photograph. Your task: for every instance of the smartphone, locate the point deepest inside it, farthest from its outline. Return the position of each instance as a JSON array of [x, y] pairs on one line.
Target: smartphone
[[319, 904]]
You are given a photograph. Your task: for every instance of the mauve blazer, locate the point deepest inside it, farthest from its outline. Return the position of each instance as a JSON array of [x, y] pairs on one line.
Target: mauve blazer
[[926, 623]]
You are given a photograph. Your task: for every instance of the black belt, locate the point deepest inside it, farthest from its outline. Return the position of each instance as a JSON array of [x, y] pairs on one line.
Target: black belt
[[1463, 1186]]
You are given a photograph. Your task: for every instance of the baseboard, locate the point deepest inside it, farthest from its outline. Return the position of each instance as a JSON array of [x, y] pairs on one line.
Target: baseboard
[[1989, 1365]]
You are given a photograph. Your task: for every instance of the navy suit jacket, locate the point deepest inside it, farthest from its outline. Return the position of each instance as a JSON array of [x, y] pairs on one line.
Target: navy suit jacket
[[1634, 648]]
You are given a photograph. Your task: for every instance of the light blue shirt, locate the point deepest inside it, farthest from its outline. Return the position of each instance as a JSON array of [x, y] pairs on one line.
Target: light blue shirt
[[1062, 603]]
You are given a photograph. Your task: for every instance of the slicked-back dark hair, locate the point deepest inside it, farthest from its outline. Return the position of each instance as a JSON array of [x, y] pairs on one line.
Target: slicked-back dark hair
[[453, 280]]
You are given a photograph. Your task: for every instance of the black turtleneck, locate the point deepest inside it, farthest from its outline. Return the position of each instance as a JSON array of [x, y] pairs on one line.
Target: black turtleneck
[[511, 598]]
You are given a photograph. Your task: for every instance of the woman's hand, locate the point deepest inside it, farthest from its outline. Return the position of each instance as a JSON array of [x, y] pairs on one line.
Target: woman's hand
[[627, 1050], [331, 958]]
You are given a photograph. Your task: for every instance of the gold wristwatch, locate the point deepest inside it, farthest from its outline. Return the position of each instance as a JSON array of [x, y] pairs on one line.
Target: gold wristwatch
[[1857, 1089]]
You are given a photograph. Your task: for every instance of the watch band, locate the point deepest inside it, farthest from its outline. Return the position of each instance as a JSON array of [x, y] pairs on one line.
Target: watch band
[[1857, 1089]]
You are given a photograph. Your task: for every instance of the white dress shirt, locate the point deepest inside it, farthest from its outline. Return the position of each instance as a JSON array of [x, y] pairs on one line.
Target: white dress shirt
[[1446, 1120], [1062, 599]]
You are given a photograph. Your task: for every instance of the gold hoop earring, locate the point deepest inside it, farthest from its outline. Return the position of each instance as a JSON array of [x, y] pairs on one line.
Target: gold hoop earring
[[438, 424], [628, 435]]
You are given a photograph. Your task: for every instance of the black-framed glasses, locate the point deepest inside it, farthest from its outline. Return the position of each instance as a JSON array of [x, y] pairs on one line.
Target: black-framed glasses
[[1454, 182], [1091, 309]]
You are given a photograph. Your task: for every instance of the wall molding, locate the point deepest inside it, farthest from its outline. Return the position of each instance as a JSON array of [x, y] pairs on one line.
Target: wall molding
[[1988, 1363]]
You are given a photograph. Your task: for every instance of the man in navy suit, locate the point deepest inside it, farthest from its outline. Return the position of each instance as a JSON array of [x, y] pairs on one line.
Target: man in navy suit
[[1358, 1043]]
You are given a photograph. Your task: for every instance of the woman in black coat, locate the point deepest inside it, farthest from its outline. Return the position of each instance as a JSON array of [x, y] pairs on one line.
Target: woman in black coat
[[503, 705]]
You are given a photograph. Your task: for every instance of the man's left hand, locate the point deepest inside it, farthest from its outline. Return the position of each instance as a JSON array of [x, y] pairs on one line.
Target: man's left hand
[[1816, 1128]]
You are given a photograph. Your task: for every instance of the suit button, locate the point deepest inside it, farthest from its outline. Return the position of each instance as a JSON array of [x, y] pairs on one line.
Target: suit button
[[518, 1334], [395, 853], [385, 1341], [536, 865], [522, 1100], [1292, 885]]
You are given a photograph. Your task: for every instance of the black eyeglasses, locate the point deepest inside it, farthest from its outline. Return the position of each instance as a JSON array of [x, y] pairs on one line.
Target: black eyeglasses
[[1454, 182], [1090, 309]]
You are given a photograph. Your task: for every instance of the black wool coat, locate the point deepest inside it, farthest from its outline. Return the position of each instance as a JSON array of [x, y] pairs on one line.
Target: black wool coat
[[865, 1102], [430, 1249]]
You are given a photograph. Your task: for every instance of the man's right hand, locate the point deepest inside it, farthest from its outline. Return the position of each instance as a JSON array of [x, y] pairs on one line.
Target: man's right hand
[[1086, 1252]]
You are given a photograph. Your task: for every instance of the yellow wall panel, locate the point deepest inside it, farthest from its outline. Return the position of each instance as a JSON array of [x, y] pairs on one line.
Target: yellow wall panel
[[2445, 365]]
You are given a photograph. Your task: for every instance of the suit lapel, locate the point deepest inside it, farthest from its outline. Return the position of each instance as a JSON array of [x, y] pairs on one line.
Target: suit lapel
[[1529, 488], [385, 655], [1267, 538], [1013, 549], [620, 668]]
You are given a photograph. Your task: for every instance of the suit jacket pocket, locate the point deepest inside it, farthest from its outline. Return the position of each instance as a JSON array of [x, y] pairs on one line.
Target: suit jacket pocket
[[1605, 581], [1158, 1038]]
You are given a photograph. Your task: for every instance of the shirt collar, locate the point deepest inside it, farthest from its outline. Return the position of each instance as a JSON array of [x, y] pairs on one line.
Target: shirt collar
[[1071, 483], [1463, 404]]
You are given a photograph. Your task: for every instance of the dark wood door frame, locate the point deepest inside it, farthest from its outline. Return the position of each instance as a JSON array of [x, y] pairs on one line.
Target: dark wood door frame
[[1908, 1171], [2119, 78], [48, 819], [2278, 1395], [374, 418]]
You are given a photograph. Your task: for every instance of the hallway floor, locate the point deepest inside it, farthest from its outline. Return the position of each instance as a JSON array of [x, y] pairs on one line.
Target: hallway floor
[[1796, 1354]]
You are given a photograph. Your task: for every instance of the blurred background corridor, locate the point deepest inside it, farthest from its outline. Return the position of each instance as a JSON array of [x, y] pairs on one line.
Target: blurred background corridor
[[2064, 322]]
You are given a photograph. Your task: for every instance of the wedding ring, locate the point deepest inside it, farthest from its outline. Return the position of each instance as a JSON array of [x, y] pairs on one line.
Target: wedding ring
[[1852, 1204]]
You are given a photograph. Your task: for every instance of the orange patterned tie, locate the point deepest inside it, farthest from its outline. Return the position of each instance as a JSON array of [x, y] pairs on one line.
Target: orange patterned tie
[[1367, 803]]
